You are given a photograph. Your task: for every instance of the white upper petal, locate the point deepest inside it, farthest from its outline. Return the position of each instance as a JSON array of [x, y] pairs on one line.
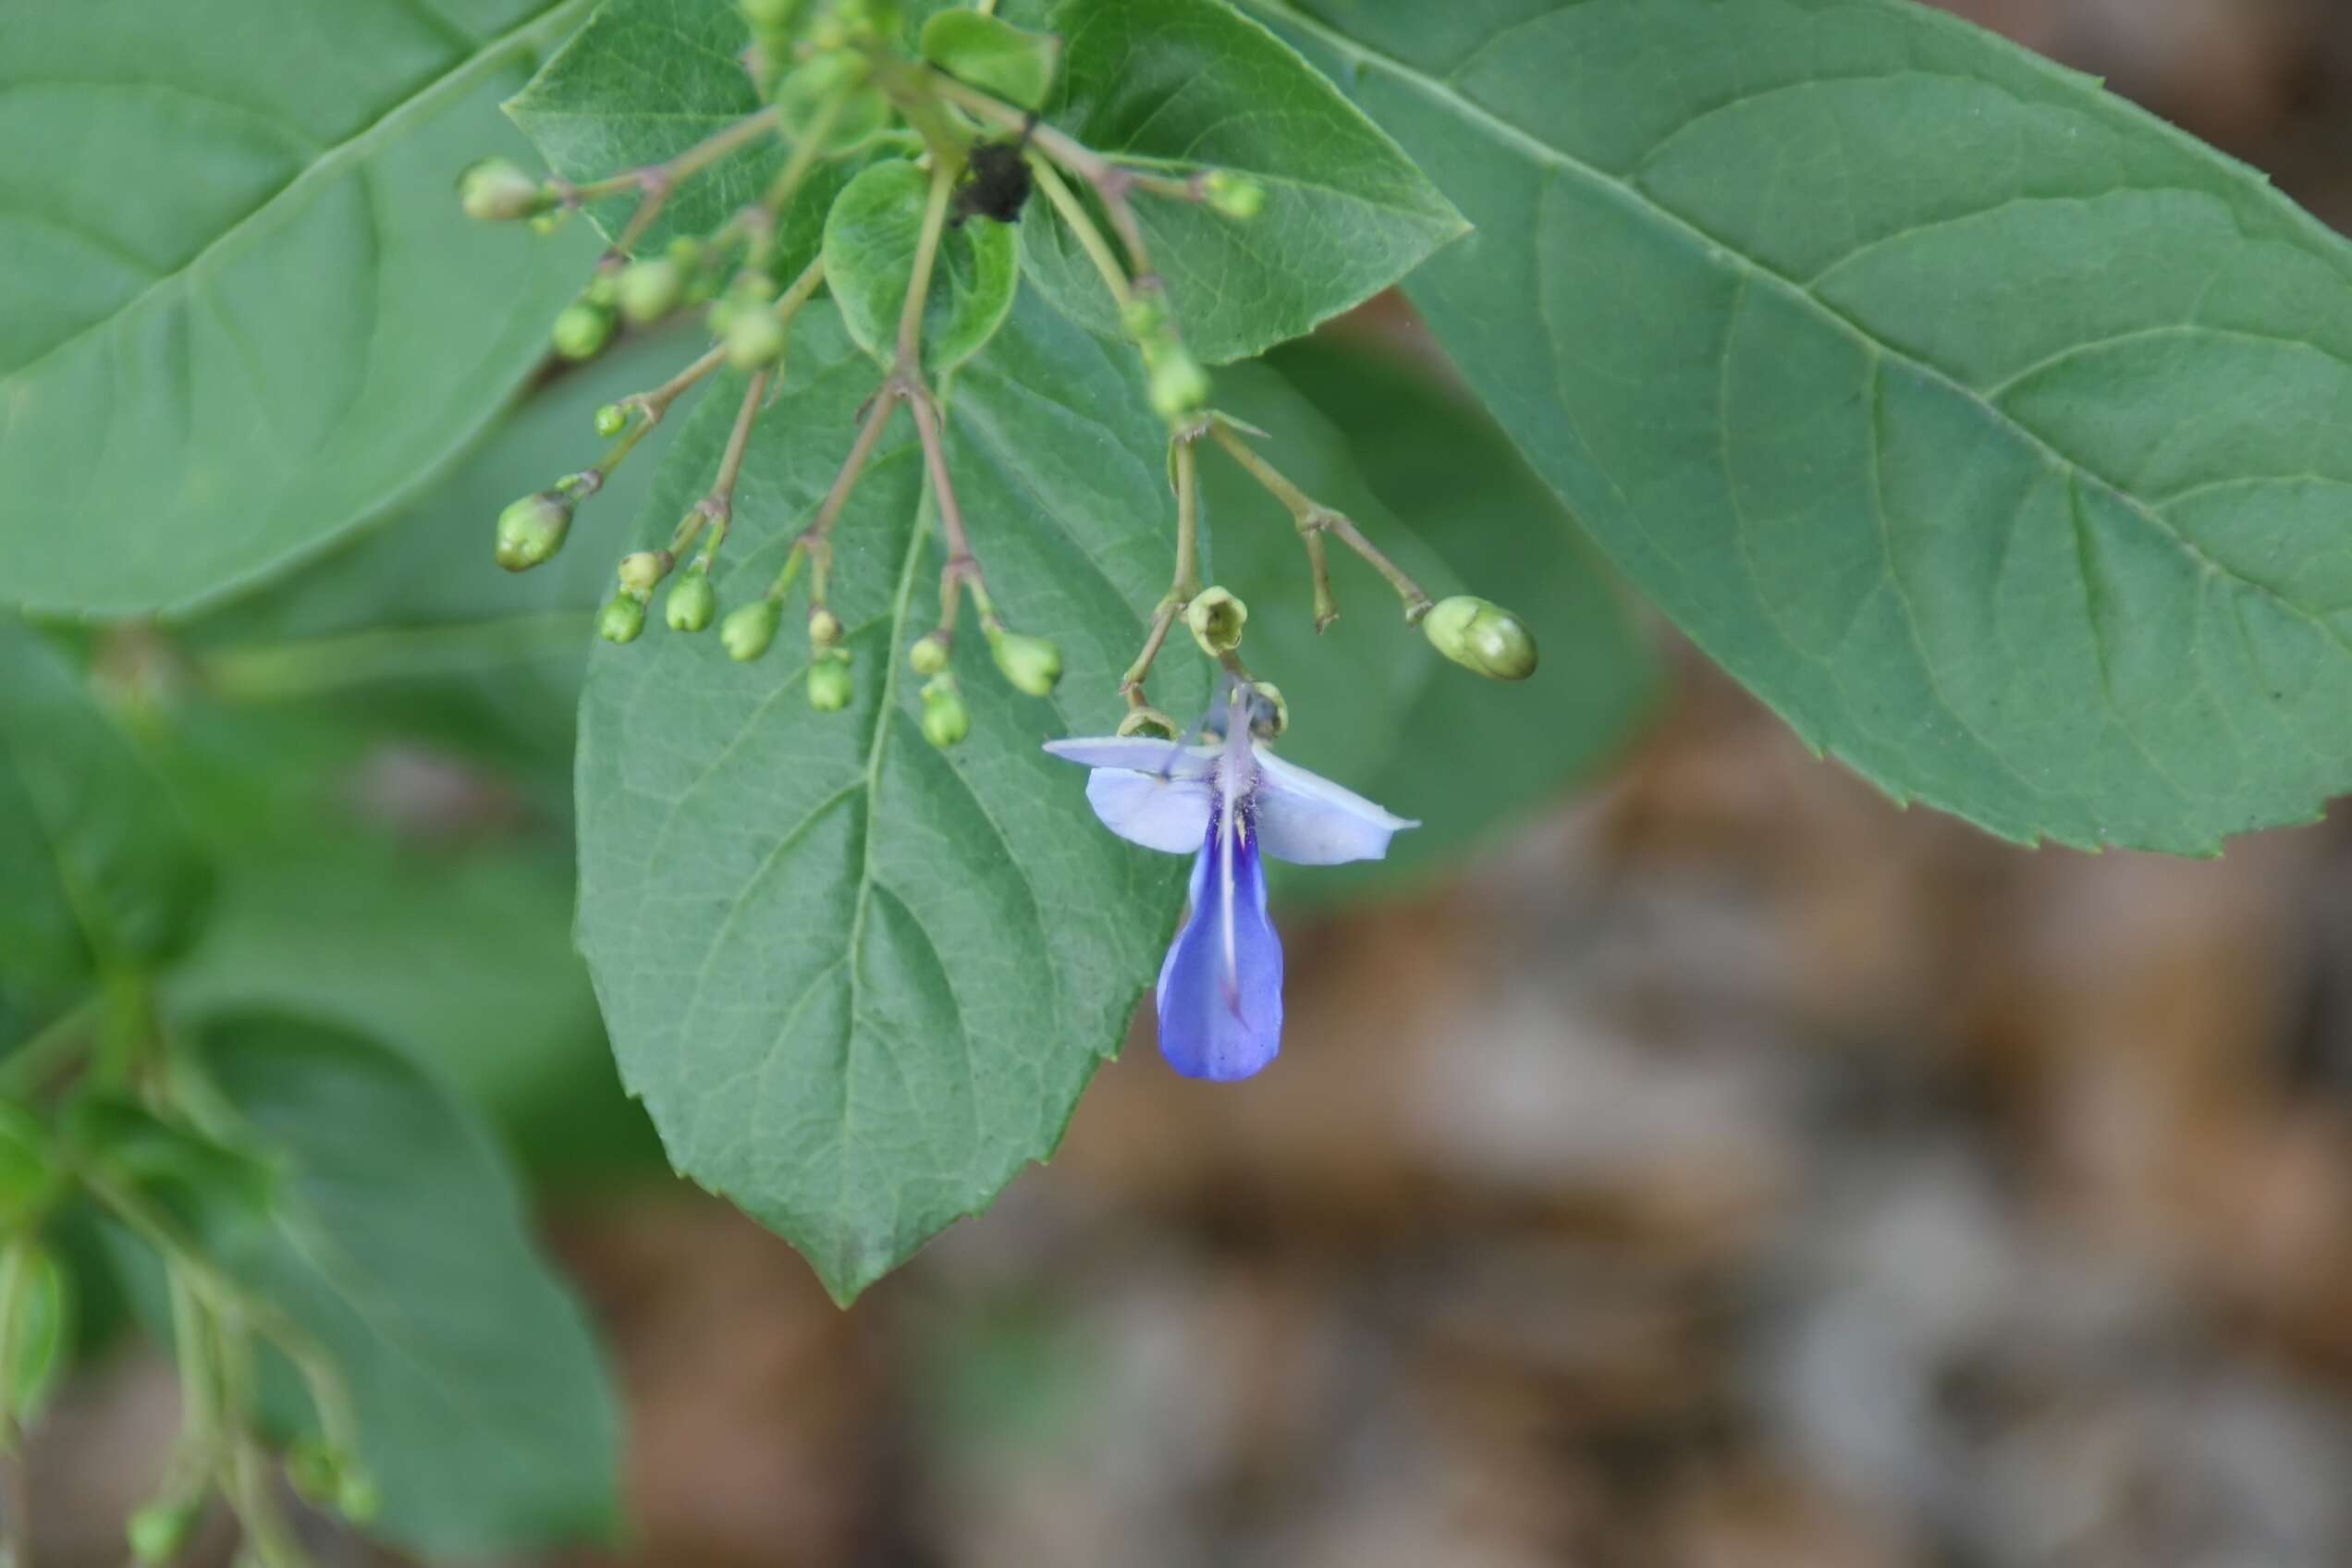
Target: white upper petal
[[1138, 753], [1307, 819], [1143, 808]]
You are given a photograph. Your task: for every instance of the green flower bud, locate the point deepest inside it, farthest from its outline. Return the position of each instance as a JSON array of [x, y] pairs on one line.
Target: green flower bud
[[1032, 663], [754, 338], [314, 1469], [649, 290], [531, 531], [356, 1496], [946, 721], [158, 1530], [686, 251], [1148, 721], [582, 329], [604, 288], [691, 603], [748, 631], [1231, 195], [929, 654], [611, 419], [770, 14], [621, 619], [825, 629], [1142, 318], [34, 1357], [1216, 618], [548, 222], [1179, 386], [640, 571], [1481, 636], [829, 686], [495, 190]]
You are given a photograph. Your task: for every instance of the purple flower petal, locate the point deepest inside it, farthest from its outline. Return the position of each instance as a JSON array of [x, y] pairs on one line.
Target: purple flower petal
[[1306, 818], [1138, 753], [1168, 814], [1221, 990]]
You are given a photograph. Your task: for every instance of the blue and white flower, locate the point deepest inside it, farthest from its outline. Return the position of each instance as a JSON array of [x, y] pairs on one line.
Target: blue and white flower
[[1225, 803]]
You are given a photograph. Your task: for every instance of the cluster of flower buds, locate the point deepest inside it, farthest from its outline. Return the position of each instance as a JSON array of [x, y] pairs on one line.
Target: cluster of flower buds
[[1471, 632], [833, 79], [107, 1147]]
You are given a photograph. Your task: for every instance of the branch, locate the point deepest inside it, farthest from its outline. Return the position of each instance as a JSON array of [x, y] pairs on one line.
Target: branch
[[1313, 519]]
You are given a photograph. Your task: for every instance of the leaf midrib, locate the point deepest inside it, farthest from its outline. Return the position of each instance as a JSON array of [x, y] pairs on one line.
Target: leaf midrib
[[885, 709], [1363, 54], [350, 149]]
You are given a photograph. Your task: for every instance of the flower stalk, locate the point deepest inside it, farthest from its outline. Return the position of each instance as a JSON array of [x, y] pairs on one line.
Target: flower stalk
[[945, 169], [655, 182], [1313, 519], [814, 541], [1185, 467]]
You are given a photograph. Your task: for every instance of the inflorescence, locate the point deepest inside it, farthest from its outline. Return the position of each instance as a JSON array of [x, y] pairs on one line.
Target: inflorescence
[[836, 79]]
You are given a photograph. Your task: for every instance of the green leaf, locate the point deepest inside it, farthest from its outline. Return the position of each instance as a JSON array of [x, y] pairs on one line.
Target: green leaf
[[1439, 489], [869, 258], [859, 982], [484, 1411], [331, 911], [97, 868], [1182, 85], [404, 656], [241, 309], [411, 611], [992, 54], [1987, 427], [644, 80]]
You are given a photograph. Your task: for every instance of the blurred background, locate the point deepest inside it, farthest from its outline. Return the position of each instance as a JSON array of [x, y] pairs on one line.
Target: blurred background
[[1719, 1168]]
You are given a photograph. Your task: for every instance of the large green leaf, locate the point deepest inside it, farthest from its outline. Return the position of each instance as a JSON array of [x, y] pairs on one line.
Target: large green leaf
[[1989, 429], [857, 981], [644, 80], [423, 566], [410, 612], [332, 903], [97, 869], [241, 309], [1440, 490], [1185, 84], [404, 657], [398, 1244]]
